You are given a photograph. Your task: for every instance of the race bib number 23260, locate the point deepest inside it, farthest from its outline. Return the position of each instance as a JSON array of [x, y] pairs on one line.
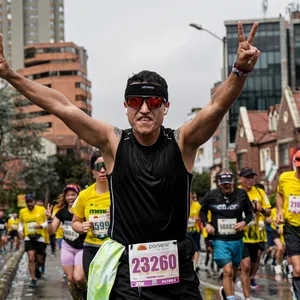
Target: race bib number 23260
[[153, 264]]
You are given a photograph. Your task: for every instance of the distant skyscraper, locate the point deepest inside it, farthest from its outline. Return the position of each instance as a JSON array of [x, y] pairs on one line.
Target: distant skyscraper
[[270, 75], [24, 22]]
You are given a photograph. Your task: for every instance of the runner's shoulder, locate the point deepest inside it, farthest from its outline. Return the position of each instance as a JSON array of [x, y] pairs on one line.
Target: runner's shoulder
[[85, 194], [287, 175]]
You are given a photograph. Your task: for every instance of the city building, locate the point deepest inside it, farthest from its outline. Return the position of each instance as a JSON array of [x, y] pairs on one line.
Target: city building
[[274, 133], [25, 22], [271, 74], [203, 160], [63, 67]]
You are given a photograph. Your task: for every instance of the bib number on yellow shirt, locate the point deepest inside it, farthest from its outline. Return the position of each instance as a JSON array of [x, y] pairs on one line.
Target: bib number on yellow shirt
[[226, 226], [31, 227], [294, 204], [100, 225], [14, 226], [191, 222]]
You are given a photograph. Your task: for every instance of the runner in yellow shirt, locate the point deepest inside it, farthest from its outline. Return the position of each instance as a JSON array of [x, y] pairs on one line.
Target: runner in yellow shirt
[[12, 225], [59, 234], [90, 212], [193, 229], [32, 227], [252, 233], [288, 212]]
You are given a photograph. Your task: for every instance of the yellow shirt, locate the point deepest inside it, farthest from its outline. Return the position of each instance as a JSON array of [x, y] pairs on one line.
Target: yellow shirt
[[59, 234], [253, 232], [204, 232], [273, 218], [193, 221], [13, 224], [30, 217], [92, 206], [289, 188]]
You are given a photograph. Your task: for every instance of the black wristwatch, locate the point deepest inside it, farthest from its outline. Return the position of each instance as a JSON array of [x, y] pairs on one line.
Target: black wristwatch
[[263, 210]]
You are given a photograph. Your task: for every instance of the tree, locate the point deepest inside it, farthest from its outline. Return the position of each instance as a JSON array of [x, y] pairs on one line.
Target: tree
[[71, 170], [19, 142], [201, 183]]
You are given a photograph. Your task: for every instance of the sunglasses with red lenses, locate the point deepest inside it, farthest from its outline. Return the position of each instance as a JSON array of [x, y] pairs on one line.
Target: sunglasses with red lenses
[[153, 102]]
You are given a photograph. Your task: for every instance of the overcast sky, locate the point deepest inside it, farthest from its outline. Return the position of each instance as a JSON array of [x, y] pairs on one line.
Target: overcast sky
[[125, 37]]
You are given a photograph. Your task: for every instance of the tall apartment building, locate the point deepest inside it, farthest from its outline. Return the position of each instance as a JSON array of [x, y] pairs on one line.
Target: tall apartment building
[[63, 67], [24, 22], [265, 83]]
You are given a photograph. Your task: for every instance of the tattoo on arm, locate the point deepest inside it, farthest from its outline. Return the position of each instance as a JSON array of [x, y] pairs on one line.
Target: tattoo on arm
[[117, 131], [177, 135]]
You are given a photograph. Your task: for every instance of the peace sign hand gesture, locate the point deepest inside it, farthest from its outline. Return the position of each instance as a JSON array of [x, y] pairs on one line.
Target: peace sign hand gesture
[[4, 66], [247, 54], [48, 211]]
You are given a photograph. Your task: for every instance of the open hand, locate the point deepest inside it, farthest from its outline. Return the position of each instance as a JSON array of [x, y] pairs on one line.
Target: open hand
[[4, 66], [48, 211], [247, 54]]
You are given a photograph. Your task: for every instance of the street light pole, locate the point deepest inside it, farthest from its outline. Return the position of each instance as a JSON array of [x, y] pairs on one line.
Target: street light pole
[[224, 136]]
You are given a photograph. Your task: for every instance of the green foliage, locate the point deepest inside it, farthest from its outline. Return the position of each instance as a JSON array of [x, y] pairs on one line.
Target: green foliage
[[71, 170], [272, 199], [19, 142], [201, 183]]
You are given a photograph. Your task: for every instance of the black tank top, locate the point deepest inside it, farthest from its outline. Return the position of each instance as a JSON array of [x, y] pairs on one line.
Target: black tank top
[[149, 189]]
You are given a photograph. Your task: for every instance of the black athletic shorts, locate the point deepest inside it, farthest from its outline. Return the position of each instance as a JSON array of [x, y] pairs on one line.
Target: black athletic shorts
[[262, 246], [251, 250], [13, 234], [38, 247], [292, 239], [87, 257], [187, 289], [275, 235]]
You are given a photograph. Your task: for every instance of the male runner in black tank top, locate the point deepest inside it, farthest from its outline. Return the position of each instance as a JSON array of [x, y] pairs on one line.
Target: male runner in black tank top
[[149, 169]]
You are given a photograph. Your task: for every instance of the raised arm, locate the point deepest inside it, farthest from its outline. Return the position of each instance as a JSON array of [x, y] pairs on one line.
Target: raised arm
[[96, 133], [196, 132]]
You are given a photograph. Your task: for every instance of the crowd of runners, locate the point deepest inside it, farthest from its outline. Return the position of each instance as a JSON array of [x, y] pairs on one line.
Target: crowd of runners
[[125, 236]]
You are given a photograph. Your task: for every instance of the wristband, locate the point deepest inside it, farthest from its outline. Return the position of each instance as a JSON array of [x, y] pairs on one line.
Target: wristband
[[238, 72], [263, 210], [49, 221]]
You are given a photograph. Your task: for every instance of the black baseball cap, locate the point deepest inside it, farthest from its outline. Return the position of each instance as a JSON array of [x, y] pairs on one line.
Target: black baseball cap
[[29, 197], [227, 177], [246, 172]]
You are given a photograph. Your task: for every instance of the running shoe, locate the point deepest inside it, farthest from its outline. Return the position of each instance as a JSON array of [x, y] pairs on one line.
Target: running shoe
[[278, 270], [222, 293], [32, 283], [253, 285]]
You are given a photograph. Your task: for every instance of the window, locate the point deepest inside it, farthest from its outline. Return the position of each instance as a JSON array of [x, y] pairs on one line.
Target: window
[[262, 158], [284, 154]]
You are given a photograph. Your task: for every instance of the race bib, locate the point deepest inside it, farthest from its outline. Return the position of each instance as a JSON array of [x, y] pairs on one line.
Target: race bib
[[31, 227], [153, 264], [2, 226], [191, 222], [100, 225], [226, 226], [14, 226], [294, 204], [69, 233]]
